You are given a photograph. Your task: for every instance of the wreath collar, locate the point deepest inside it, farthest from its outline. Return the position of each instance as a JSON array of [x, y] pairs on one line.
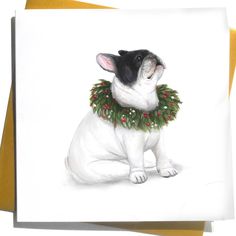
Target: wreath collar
[[106, 107]]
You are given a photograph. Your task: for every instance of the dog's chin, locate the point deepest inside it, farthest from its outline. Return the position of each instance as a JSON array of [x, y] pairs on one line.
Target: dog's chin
[[150, 77], [157, 72]]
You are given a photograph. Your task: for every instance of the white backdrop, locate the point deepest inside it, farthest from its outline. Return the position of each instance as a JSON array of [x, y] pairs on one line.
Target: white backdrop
[[6, 11]]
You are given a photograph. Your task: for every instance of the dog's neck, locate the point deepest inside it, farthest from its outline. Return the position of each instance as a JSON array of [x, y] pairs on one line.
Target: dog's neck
[[140, 95]]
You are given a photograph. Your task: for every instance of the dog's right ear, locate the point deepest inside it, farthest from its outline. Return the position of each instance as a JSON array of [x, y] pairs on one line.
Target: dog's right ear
[[107, 62], [122, 52]]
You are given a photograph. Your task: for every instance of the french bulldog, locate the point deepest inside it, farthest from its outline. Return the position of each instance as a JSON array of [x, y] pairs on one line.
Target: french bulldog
[[101, 152]]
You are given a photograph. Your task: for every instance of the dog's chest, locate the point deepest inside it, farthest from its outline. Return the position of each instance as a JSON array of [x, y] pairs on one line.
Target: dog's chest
[[137, 138]]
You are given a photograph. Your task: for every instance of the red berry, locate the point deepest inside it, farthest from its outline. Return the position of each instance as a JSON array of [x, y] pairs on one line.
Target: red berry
[[159, 113], [106, 91], [123, 119], [166, 94], [106, 106], [147, 124], [145, 115]]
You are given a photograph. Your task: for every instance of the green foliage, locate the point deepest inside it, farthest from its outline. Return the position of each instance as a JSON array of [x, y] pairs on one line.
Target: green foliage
[[107, 107]]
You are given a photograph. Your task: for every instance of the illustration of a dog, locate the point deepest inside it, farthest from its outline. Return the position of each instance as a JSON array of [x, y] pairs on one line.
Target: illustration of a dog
[[101, 152]]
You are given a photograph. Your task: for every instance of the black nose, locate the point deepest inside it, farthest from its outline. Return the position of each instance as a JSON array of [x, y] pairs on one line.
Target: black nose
[[160, 63]]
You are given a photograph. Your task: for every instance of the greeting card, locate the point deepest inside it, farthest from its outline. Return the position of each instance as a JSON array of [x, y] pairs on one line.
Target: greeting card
[[153, 131]]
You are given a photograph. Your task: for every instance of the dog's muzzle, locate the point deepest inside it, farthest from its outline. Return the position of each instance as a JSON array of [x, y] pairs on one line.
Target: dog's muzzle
[[150, 64]]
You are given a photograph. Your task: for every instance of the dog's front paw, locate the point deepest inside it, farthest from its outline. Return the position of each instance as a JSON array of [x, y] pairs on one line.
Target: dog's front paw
[[138, 177], [167, 172]]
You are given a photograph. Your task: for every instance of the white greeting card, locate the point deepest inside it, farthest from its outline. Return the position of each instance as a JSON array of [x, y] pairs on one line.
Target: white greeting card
[[129, 148]]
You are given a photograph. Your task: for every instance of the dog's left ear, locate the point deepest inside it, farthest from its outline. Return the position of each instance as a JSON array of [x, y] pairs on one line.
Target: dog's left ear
[[107, 62]]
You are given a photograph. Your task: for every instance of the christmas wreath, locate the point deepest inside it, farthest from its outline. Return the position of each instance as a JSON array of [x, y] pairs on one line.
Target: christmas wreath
[[108, 108]]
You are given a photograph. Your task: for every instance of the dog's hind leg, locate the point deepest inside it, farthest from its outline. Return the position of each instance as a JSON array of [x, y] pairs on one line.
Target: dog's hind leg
[[107, 171], [100, 171]]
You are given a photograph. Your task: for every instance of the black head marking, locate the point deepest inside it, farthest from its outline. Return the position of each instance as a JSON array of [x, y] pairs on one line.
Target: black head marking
[[128, 65], [125, 66]]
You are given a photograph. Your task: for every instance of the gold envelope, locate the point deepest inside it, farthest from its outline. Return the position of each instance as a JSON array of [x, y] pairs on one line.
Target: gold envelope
[[7, 163]]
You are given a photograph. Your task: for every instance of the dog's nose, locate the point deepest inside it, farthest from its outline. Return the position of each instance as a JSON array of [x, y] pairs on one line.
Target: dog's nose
[[160, 63], [153, 60], [157, 60]]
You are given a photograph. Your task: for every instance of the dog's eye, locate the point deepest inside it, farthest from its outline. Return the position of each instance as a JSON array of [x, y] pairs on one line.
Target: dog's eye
[[138, 58]]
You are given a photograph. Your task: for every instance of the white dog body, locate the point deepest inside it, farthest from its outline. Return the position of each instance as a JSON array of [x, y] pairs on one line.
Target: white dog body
[[102, 152]]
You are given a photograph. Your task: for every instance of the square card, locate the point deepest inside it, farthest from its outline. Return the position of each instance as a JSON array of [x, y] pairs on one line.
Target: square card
[[56, 68]]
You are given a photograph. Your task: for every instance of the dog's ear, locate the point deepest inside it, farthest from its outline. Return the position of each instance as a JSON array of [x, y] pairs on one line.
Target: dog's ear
[[122, 52], [107, 62]]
